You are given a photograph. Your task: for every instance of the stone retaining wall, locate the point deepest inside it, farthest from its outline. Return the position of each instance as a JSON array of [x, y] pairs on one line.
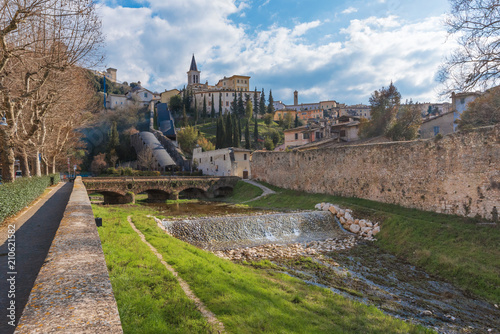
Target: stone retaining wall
[[73, 293], [458, 174]]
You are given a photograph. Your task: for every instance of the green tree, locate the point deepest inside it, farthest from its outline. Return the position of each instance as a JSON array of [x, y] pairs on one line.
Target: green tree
[[247, 135], [249, 110], [270, 106], [220, 105], [268, 119], [204, 110], [262, 103], [407, 123], [229, 131], [187, 139], [113, 144], [195, 111], [483, 111], [297, 121], [236, 130], [212, 108], [185, 121], [220, 134], [256, 132], [268, 144], [384, 105], [255, 102], [175, 104], [241, 105]]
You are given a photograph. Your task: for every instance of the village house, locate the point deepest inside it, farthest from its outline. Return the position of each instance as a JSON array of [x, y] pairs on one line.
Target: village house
[[445, 123], [229, 161], [167, 94]]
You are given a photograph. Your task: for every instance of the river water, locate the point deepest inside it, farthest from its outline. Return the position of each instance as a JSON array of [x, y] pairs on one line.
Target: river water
[[363, 273]]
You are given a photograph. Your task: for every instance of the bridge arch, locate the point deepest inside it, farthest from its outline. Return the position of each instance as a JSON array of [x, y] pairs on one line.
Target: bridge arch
[[114, 197], [193, 192], [158, 195]]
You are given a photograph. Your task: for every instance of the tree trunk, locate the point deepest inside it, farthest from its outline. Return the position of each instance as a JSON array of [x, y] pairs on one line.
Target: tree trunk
[[54, 164], [38, 167], [8, 159], [25, 167]]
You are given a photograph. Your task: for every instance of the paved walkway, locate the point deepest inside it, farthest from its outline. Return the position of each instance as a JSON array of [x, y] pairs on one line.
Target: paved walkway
[[35, 230], [266, 190], [211, 318]]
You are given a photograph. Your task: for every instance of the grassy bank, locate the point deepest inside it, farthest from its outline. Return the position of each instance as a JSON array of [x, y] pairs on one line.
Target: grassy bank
[[245, 299], [452, 247], [148, 296]]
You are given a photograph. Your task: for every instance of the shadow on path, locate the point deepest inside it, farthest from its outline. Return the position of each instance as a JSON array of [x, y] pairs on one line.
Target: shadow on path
[[32, 243]]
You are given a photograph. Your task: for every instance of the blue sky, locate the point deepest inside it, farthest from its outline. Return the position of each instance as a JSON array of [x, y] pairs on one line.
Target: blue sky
[[325, 49]]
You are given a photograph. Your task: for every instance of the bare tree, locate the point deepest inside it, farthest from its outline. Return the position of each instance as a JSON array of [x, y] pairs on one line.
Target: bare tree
[[146, 159], [475, 63], [38, 39]]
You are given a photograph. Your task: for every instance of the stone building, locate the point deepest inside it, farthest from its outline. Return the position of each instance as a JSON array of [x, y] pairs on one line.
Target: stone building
[[229, 161]]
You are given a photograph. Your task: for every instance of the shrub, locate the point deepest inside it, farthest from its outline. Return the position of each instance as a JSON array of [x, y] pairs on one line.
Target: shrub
[[16, 195]]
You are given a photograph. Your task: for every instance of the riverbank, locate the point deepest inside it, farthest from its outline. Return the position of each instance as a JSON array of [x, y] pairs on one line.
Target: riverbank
[[245, 299], [461, 250]]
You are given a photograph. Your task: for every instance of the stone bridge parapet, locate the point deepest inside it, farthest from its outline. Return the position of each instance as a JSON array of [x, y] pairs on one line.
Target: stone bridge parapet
[[121, 190]]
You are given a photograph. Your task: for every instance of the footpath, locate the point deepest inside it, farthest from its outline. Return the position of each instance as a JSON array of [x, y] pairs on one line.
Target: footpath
[[35, 230], [266, 190]]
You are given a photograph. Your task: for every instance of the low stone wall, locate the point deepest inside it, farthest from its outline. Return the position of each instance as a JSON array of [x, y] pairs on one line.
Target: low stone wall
[[73, 293], [458, 174]]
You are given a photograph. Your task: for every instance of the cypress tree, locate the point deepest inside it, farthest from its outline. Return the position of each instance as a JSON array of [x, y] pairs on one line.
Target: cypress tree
[[296, 120], [236, 135], [270, 106], [234, 104], [220, 105], [204, 110], [255, 102], [184, 117], [229, 131], [195, 112], [241, 106], [212, 110], [262, 103], [256, 132], [247, 135]]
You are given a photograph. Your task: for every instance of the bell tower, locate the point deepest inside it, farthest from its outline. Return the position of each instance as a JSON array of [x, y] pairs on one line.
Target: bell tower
[[193, 73]]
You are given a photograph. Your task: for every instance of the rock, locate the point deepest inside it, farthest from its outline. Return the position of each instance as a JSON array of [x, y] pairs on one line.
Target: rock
[[354, 228], [426, 313], [376, 230], [322, 204], [369, 224], [356, 221], [348, 216], [342, 220], [318, 206], [362, 223], [326, 207], [365, 229], [332, 210]]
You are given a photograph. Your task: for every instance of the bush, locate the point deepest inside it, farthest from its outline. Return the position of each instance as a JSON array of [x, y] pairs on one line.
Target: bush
[[16, 195]]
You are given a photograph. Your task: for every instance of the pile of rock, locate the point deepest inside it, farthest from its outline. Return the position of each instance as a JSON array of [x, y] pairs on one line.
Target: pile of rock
[[288, 251], [361, 227]]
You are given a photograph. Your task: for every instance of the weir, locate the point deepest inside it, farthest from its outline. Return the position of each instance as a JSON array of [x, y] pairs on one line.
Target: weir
[[220, 233]]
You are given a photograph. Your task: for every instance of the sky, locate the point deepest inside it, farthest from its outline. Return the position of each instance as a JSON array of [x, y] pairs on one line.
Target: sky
[[325, 49]]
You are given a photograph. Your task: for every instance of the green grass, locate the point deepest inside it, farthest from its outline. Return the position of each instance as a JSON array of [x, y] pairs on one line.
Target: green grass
[[243, 192], [245, 299], [452, 247], [148, 296]]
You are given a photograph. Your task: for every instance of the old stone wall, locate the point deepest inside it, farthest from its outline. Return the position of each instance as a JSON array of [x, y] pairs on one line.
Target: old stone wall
[[458, 174]]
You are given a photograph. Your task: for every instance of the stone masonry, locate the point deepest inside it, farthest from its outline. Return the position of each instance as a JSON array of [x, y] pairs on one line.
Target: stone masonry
[[458, 174]]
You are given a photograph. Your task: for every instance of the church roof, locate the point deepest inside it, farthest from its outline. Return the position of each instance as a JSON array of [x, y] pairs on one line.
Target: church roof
[[193, 65]]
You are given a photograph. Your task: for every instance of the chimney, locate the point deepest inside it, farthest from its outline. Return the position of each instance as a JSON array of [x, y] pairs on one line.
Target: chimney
[[295, 98]]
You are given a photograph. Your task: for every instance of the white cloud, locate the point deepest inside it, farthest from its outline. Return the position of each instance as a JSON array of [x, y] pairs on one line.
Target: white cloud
[[349, 10], [154, 45]]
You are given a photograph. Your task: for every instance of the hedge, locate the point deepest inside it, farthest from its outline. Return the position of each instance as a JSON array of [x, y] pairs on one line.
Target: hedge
[[16, 195]]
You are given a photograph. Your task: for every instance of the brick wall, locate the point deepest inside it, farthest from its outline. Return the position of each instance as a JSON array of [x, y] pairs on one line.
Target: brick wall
[[458, 174]]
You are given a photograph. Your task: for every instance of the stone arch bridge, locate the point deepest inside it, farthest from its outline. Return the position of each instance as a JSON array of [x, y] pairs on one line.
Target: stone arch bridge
[[122, 190]]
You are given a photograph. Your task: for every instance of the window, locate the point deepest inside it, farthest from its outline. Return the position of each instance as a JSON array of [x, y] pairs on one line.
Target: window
[[462, 100], [436, 130], [200, 160], [238, 81], [210, 159], [217, 168], [227, 103], [296, 136], [342, 133], [145, 94], [227, 94], [244, 156], [224, 157], [305, 136]]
